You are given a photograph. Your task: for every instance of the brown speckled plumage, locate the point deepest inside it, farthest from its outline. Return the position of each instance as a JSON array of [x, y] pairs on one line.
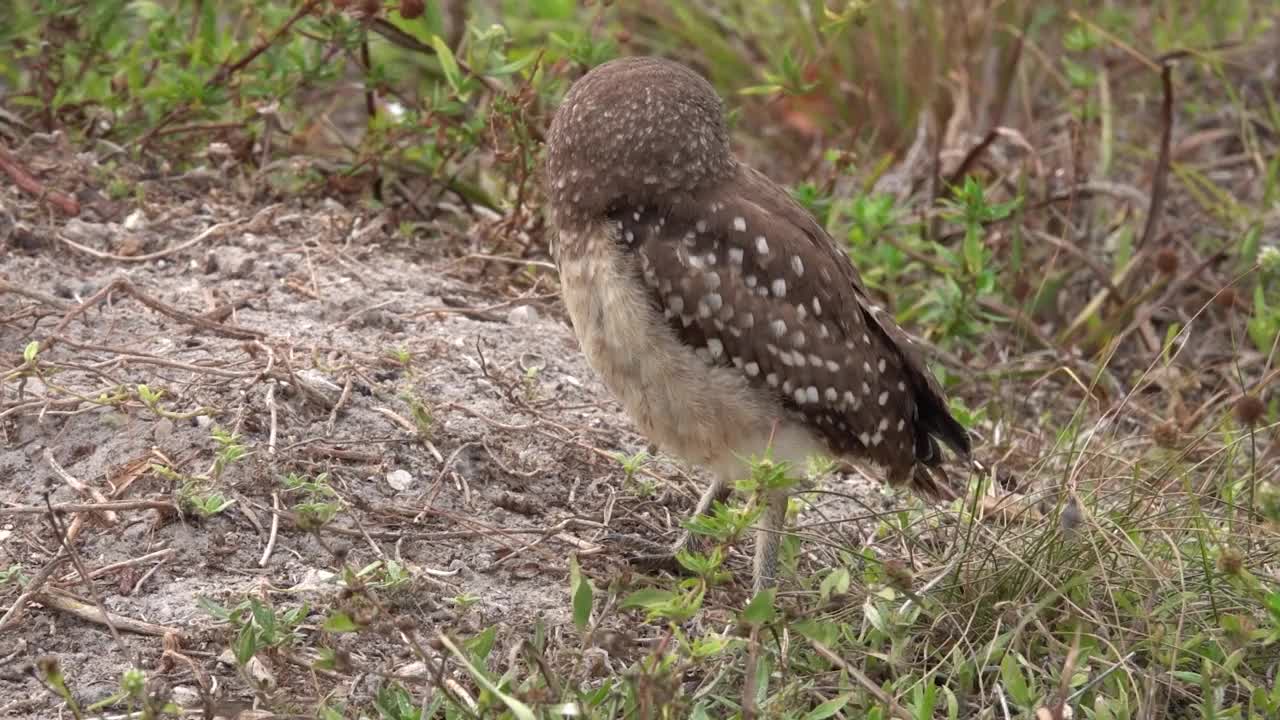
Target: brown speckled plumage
[[715, 307]]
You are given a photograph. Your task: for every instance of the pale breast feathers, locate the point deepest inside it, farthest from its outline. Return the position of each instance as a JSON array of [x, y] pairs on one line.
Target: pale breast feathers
[[753, 283]]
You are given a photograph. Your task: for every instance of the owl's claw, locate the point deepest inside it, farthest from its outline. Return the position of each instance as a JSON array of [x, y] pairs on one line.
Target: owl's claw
[[649, 555]]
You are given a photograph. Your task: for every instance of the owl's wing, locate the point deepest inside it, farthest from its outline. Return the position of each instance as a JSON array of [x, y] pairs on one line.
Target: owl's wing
[[751, 281], [934, 415]]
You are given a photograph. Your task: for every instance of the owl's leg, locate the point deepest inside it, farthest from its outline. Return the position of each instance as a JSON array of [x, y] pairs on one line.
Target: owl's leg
[[768, 539]]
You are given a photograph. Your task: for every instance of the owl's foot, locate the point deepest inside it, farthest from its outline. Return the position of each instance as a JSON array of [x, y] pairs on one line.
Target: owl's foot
[[649, 555], [643, 553]]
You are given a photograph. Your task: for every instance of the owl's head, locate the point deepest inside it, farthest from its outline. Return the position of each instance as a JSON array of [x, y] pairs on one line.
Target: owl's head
[[632, 132]]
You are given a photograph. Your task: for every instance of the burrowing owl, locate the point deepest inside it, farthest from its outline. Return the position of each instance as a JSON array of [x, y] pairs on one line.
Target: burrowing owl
[[717, 310]]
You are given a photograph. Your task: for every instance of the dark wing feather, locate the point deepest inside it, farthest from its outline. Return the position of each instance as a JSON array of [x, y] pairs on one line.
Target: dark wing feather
[[748, 279], [935, 418]]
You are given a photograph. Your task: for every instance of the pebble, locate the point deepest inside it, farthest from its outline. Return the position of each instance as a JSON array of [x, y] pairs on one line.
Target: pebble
[[401, 480], [230, 260], [523, 315], [136, 220]]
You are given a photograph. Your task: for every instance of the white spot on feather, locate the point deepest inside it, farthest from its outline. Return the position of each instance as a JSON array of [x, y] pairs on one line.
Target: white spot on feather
[[716, 347]]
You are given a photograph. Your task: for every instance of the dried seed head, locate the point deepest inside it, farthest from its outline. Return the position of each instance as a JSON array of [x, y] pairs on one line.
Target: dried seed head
[[340, 553], [48, 665], [614, 642], [1249, 410], [1071, 517], [899, 574], [1230, 562], [365, 615], [1057, 711], [342, 660], [1167, 260], [1228, 299], [1167, 434], [410, 9]]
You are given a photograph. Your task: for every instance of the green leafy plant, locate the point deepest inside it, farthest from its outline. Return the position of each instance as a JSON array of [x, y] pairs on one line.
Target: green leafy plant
[[257, 626], [230, 450]]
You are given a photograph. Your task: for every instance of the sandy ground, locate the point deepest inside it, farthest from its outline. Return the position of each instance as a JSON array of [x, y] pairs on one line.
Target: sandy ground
[[447, 406]]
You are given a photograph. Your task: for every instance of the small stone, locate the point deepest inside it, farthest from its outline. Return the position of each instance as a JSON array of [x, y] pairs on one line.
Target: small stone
[[136, 220], [316, 581], [401, 480], [229, 260], [92, 234], [315, 382], [219, 150], [523, 315], [416, 670], [186, 696], [130, 245], [163, 430]]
